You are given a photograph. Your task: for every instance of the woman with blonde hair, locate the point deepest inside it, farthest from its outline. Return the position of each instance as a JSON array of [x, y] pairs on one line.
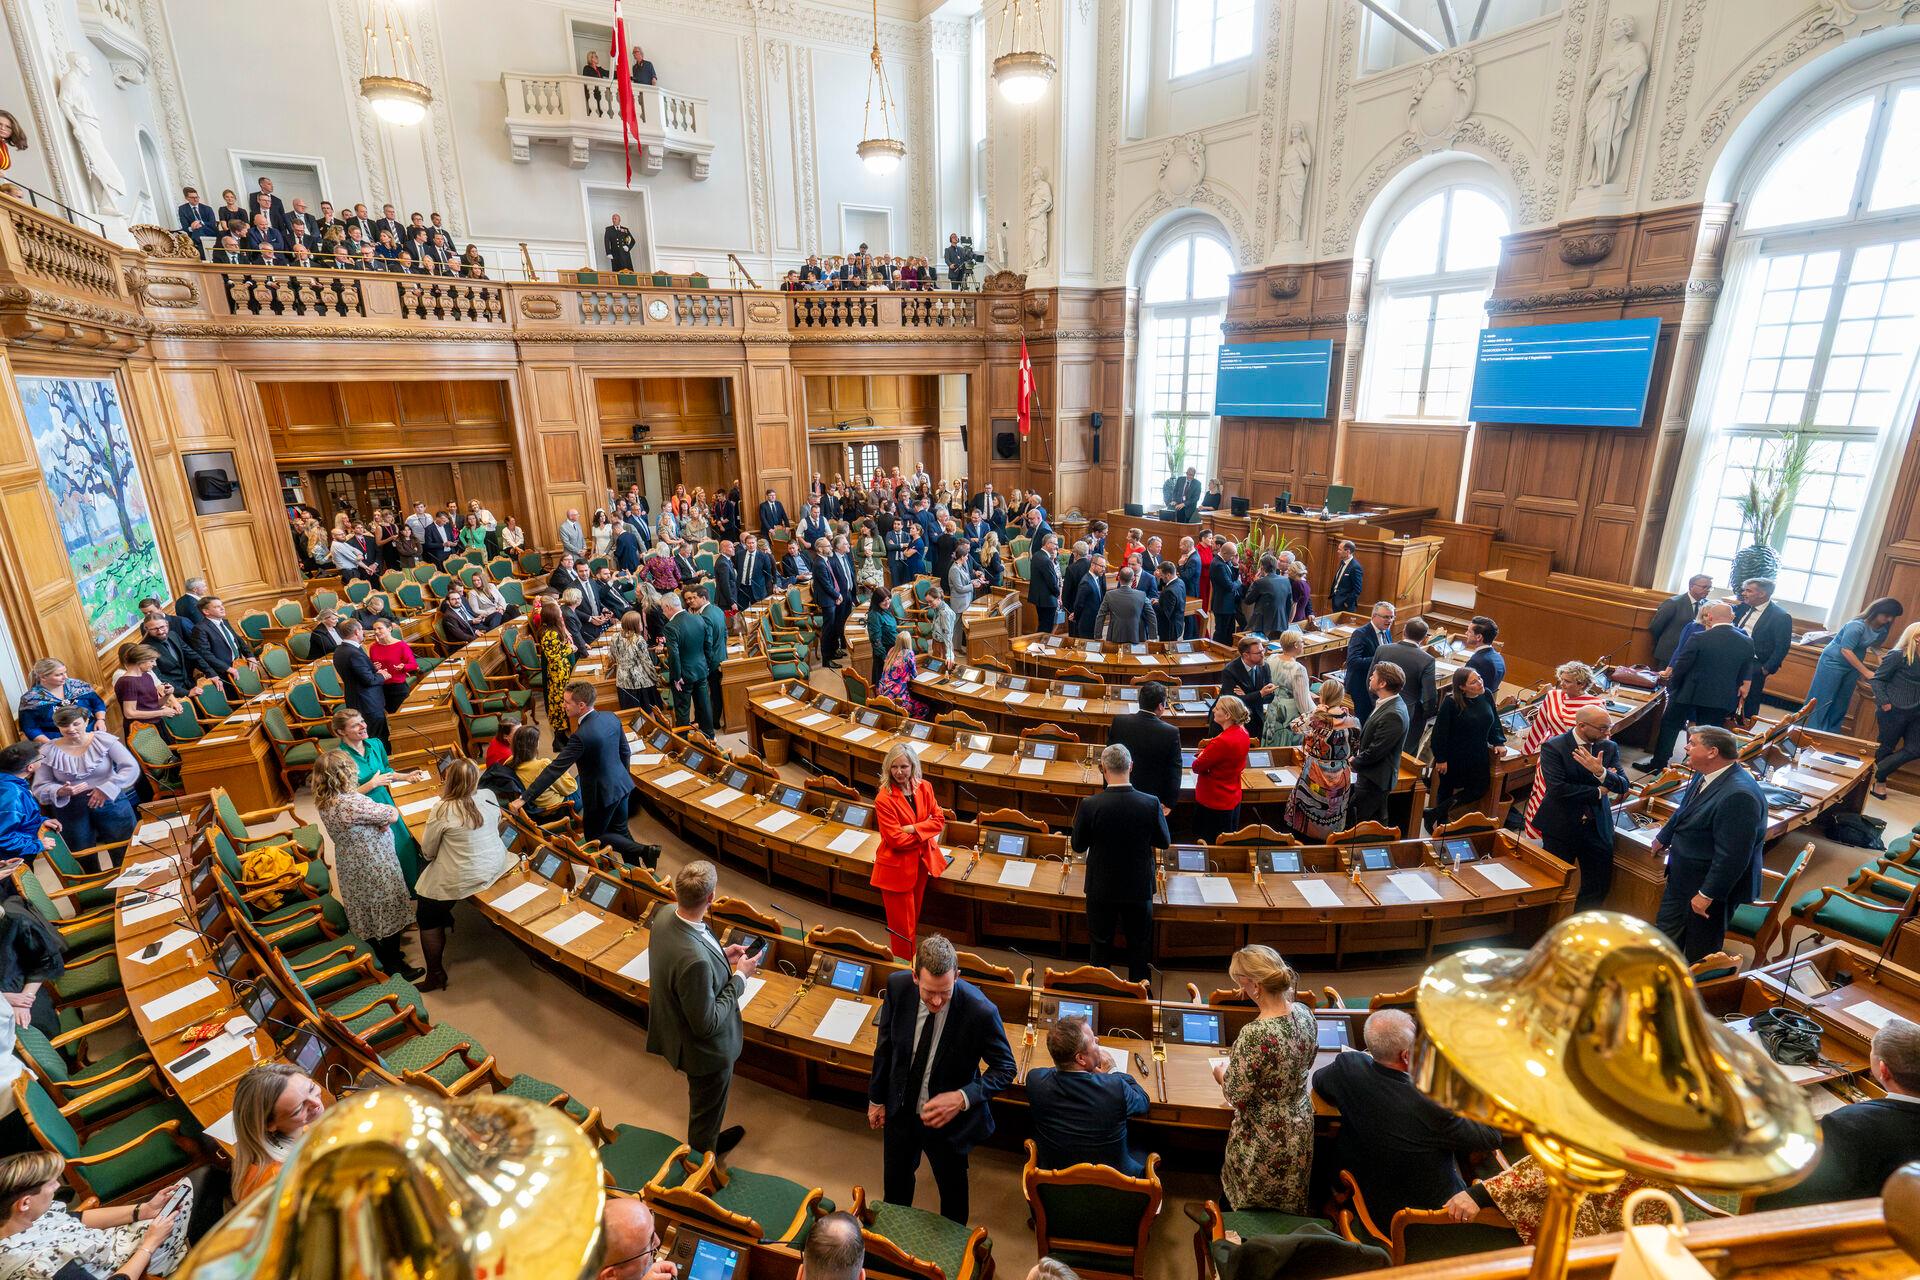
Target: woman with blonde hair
[[1896, 703], [1217, 770], [896, 679], [366, 874], [1292, 691], [272, 1106], [41, 1239], [1264, 1078], [1572, 685], [1318, 805], [464, 854], [910, 822]]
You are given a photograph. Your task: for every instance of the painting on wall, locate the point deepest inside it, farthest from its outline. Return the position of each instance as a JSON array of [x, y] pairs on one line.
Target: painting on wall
[[94, 481]]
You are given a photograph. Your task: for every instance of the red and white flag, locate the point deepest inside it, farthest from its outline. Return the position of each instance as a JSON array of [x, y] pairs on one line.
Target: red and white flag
[[1026, 389], [623, 78]]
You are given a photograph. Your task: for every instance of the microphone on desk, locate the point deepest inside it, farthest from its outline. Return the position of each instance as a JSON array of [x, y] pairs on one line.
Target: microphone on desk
[[1786, 979], [440, 756], [776, 907], [1025, 958]]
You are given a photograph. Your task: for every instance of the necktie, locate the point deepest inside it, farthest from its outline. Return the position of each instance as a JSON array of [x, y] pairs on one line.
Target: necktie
[[922, 1052]]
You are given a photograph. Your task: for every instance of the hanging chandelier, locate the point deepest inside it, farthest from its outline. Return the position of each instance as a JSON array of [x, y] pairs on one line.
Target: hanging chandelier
[[1025, 70], [391, 86], [880, 150]]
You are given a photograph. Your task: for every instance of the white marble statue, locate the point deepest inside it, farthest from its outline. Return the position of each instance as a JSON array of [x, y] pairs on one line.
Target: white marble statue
[[1612, 95], [1297, 159], [1039, 207], [76, 104]]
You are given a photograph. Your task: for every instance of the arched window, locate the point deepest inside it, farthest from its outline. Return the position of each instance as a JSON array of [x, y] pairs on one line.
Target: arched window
[[1818, 334], [1431, 279], [1181, 306]]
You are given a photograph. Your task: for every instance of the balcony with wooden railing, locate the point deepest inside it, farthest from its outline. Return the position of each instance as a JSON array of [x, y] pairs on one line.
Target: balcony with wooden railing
[[581, 112]]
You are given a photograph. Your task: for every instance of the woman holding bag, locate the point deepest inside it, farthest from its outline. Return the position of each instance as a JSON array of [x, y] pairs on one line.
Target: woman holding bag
[[910, 822]]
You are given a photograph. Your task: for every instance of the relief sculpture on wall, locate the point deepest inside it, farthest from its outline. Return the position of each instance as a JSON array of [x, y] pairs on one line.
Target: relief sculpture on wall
[[1612, 95]]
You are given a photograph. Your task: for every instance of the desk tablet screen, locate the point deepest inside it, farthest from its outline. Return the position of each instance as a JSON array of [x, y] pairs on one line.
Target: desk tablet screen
[[1283, 861], [1184, 646], [230, 954], [856, 815], [661, 741], [1259, 759], [695, 762], [848, 975], [1187, 756], [307, 1052], [739, 780], [260, 1004], [1190, 859], [713, 1261], [1045, 751], [980, 741], [800, 692], [790, 797], [548, 866], [210, 914], [1375, 859], [1200, 1028], [1081, 1009], [870, 718], [1068, 691], [1008, 845], [1016, 683], [1459, 851], [920, 730], [827, 704], [602, 892], [1333, 1033], [1127, 693]]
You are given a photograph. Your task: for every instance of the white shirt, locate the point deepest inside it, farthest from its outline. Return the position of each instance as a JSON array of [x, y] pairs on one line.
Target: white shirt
[[933, 1051], [1708, 779]]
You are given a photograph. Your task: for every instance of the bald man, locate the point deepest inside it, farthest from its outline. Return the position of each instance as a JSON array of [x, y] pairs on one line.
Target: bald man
[[1710, 673], [632, 1244], [1571, 809], [835, 1250]]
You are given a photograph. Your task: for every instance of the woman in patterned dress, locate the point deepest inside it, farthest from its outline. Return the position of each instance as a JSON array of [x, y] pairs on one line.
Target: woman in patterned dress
[[366, 874], [896, 682], [548, 631], [40, 1238], [1292, 691], [1270, 1146], [1318, 805]]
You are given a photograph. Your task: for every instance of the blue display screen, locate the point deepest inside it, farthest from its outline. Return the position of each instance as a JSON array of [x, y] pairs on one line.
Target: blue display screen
[[1273, 379], [1570, 375], [848, 975], [1074, 1009], [1200, 1028], [712, 1261]]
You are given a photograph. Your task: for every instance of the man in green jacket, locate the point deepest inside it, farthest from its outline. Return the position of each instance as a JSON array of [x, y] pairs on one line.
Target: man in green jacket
[[700, 603], [695, 1019], [687, 660]]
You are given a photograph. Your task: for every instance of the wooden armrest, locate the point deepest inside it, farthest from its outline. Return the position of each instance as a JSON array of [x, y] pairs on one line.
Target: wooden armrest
[[81, 1102], [362, 965], [1829, 892], [87, 1030], [1766, 874], [70, 890], [104, 955], [169, 1127], [81, 883], [1868, 875], [298, 921], [345, 949], [391, 1000], [279, 884]]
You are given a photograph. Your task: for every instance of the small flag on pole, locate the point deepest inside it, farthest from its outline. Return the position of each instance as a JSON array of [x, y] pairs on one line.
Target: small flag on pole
[[1026, 388]]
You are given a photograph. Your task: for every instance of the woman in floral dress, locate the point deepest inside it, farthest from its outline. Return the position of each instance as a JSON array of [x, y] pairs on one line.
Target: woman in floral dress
[[1270, 1145], [366, 874], [1318, 805], [896, 682]]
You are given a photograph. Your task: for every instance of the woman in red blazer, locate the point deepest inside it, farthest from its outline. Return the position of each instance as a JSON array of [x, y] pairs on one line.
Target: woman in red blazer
[[910, 826], [1217, 770]]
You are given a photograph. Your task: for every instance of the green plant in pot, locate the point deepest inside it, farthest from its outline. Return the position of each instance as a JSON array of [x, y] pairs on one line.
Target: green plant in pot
[[1176, 462], [1767, 502]]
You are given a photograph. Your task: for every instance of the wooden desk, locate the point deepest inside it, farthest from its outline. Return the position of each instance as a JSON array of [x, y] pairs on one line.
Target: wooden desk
[[1087, 710]]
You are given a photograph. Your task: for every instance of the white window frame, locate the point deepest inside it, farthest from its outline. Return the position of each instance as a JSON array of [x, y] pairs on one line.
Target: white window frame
[[1215, 62], [1149, 435]]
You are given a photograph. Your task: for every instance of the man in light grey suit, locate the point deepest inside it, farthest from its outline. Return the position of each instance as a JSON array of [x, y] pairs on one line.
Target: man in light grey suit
[[1269, 600], [1126, 615], [694, 1021], [1376, 757], [1422, 693]]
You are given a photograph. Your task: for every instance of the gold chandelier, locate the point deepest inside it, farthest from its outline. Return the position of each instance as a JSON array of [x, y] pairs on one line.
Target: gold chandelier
[[880, 150], [391, 87], [1025, 70]]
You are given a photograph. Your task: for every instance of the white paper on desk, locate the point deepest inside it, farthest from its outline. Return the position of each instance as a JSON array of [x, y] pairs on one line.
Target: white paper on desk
[[1149, 660], [1800, 780], [1874, 1015], [637, 968], [1015, 873], [152, 910], [967, 686], [152, 831], [774, 704], [168, 945], [1017, 696], [843, 1021], [1032, 766], [778, 820], [1074, 704], [1214, 1064], [135, 872], [224, 1045], [1283, 777], [1414, 886], [1215, 890], [419, 806], [1498, 876], [222, 1130], [673, 779], [978, 760], [1642, 835], [581, 922], [648, 758], [174, 1001], [518, 897], [722, 798], [849, 841], [859, 733], [918, 747], [1316, 892], [752, 990], [818, 717]]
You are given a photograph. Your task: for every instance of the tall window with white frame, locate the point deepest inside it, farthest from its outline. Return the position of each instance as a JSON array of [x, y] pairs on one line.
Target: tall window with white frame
[[1823, 316], [1207, 33], [1431, 279], [1181, 305]]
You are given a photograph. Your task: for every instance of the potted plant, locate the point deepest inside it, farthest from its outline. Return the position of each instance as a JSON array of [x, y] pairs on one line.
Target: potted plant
[[1772, 486]]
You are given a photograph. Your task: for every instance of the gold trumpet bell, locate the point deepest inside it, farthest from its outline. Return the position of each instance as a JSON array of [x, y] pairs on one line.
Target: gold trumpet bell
[[1596, 1040], [398, 1184]]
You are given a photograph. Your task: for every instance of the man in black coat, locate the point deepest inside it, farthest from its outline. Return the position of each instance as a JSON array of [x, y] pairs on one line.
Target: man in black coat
[[1713, 843], [726, 580], [222, 649], [1569, 811], [365, 688], [598, 753], [1376, 756], [1422, 693], [1863, 1143], [179, 661], [1362, 646], [1772, 630], [1348, 581], [1268, 599], [1120, 830], [1171, 605], [1081, 1104], [619, 245], [196, 219], [1182, 495], [1673, 615], [1043, 582], [928, 1089], [1083, 620], [1246, 679], [1225, 576], [773, 513], [1154, 746], [828, 595], [1401, 1146], [1709, 680], [755, 569], [1079, 564]]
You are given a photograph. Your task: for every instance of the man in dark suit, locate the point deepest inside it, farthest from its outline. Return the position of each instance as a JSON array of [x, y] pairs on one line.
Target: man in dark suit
[[928, 1089], [1120, 830], [687, 660], [302, 227], [1170, 608], [700, 604], [1376, 757], [619, 245], [773, 513], [222, 649], [1154, 746], [1268, 599], [626, 547], [755, 567], [179, 661], [597, 752], [437, 544], [187, 607], [1225, 576], [1772, 630], [389, 224], [1709, 679], [1246, 679], [564, 574], [264, 201], [1348, 581], [264, 235], [1083, 619], [1362, 645], [726, 579], [1079, 564], [1080, 1105], [196, 219], [1713, 844], [1863, 1143], [828, 593], [1569, 812], [1126, 614], [1043, 582], [1401, 1146], [1674, 613], [694, 1019], [1422, 690], [1481, 633], [1182, 495], [365, 688]]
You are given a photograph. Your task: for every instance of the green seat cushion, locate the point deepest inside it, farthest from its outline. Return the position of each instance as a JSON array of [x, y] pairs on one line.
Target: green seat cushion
[[1099, 1215], [1845, 918], [318, 878], [1905, 875], [91, 938], [1266, 1222], [1747, 919], [149, 1162], [320, 990], [80, 981], [1429, 1242], [416, 1053], [776, 1203], [535, 1090], [636, 1156], [399, 988], [303, 752], [330, 910], [484, 726], [87, 899], [923, 1234], [307, 837]]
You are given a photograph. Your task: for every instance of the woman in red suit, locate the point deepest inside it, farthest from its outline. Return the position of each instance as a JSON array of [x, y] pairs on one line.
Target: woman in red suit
[[910, 826], [1217, 770]]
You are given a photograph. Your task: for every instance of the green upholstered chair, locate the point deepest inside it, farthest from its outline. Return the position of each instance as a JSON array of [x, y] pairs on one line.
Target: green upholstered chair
[[500, 568], [1758, 923], [128, 1082], [288, 614], [903, 1242], [1212, 1223], [1093, 1218], [486, 696], [158, 761], [478, 726], [291, 927], [531, 564], [1858, 913], [277, 825], [512, 592], [325, 599], [423, 572], [358, 590], [293, 755], [247, 682], [210, 702], [254, 624], [184, 725], [309, 715], [86, 887], [439, 584], [636, 1158], [390, 580], [738, 1204], [85, 936], [302, 645], [326, 679], [117, 1161], [412, 597], [276, 662]]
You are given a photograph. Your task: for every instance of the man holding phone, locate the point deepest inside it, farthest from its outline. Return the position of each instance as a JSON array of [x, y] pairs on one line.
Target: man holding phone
[[697, 987]]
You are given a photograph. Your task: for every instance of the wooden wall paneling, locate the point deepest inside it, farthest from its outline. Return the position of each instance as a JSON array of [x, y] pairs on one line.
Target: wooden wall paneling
[[559, 448], [431, 483], [1406, 464], [422, 404], [772, 434]]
